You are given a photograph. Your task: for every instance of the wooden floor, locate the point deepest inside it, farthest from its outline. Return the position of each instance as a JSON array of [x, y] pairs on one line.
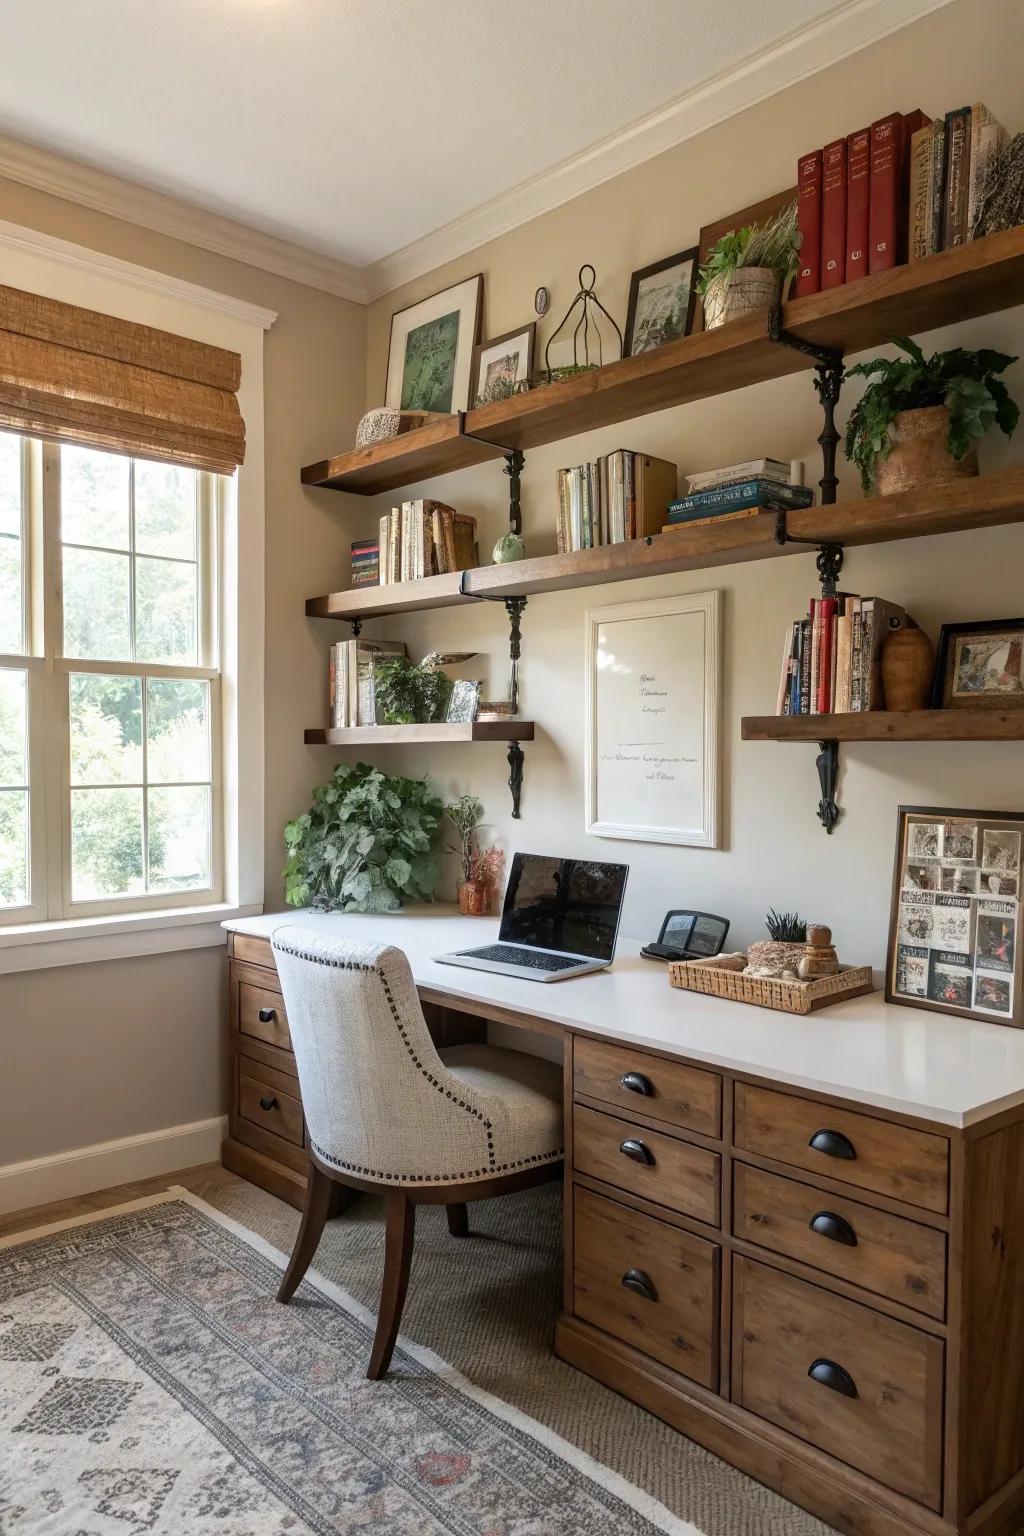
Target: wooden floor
[[85, 1205]]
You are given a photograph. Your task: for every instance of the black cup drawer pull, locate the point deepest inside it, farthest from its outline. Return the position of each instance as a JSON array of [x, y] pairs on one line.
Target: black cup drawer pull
[[637, 1151], [636, 1083], [833, 1144], [269, 1104], [833, 1376], [636, 1280], [836, 1228], [267, 1015]]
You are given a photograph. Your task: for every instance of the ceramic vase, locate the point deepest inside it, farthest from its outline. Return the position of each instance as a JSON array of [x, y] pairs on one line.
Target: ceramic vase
[[907, 667], [919, 455], [474, 898]]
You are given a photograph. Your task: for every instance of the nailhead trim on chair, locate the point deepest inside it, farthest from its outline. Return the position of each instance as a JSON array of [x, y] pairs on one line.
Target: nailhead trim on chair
[[423, 1178]]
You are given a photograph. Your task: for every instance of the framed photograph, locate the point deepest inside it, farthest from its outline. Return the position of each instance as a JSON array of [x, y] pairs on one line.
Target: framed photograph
[[464, 702], [502, 365], [652, 720], [757, 213], [953, 943], [431, 350], [661, 303], [978, 666]]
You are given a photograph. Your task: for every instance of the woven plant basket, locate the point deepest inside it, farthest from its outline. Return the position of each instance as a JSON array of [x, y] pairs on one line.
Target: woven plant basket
[[719, 978], [739, 293]]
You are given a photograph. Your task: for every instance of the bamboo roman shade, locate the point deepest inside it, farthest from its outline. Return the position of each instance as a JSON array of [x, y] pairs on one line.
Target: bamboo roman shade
[[82, 377]]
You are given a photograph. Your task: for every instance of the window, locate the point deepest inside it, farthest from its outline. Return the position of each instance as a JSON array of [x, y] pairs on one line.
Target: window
[[109, 684]]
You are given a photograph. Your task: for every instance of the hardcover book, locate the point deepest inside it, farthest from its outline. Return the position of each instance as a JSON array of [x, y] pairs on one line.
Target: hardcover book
[[833, 214], [858, 190], [809, 179]]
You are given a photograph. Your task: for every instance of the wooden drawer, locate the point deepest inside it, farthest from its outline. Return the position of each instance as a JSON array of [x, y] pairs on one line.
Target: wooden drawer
[[255, 951], [669, 1307], [855, 1148], [640, 1084], [674, 1173], [888, 1420], [264, 1100], [890, 1255], [261, 1014]]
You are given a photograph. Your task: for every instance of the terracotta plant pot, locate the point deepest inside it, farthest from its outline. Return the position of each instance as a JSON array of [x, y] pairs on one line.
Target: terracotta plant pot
[[919, 454], [907, 667], [474, 898], [739, 293]]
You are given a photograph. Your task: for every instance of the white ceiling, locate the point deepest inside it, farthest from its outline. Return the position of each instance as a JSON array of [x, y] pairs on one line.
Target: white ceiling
[[356, 127]]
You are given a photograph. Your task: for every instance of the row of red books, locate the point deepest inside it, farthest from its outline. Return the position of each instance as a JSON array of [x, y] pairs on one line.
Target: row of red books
[[832, 660]]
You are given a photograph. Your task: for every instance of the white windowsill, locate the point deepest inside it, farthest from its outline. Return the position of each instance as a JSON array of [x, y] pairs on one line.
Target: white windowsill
[[77, 941]]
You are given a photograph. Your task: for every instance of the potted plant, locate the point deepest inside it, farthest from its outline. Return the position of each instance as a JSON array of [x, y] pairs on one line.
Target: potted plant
[[367, 844], [919, 419], [748, 269], [481, 871], [405, 694], [781, 953]]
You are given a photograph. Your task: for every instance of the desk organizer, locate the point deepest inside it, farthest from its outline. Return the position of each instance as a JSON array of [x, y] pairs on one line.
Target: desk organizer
[[721, 978]]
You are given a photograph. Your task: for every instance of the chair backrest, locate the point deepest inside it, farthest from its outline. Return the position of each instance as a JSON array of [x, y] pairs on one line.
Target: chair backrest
[[379, 1102]]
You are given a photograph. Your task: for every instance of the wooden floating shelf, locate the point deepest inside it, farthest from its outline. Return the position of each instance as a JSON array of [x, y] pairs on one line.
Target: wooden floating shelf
[[889, 725], [969, 280], [953, 507], [385, 735]]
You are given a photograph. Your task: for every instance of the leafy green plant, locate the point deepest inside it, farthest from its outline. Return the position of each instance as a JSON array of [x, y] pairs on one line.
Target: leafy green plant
[[964, 382], [465, 815], [368, 842], [405, 694], [785, 927], [775, 244]]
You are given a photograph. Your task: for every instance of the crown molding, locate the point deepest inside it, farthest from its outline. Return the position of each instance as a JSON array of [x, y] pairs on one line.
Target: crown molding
[[78, 183], [851, 26]]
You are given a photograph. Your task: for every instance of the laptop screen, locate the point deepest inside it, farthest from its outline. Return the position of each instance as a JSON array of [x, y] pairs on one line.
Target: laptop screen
[[571, 905]]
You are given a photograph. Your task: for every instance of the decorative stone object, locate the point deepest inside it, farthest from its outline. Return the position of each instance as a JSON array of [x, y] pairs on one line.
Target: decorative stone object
[[919, 454], [385, 422], [819, 957], [770, 958], [907, 668], [508, 548]]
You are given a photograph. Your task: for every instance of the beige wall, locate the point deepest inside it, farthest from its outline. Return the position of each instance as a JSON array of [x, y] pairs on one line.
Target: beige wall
[[96, 1052]]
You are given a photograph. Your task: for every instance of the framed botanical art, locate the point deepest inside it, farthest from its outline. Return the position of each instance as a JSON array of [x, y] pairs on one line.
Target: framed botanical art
[[503, 365], [431, 350], [652, 720], [661, 303], [953, 930], [979, 666]]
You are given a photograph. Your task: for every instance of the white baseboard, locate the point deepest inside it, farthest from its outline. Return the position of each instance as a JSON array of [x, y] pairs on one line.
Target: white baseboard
[[85, 1169]]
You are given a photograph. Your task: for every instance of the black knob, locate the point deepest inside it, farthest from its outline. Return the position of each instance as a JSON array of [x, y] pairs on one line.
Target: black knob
[[636, 1083], [642, 1284], [835, 1228], [833, 1144], [833, 1376], [267, 1015], [268, 1104], [637, 1151]]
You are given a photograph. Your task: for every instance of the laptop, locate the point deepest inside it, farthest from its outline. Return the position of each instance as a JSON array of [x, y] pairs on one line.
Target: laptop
[[560, 918]]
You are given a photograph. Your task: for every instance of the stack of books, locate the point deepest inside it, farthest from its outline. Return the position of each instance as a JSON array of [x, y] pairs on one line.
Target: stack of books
[[425, 538], [739, 490], [351, 680], [831, 660], [620, 496], [902, 189], [365, 562]]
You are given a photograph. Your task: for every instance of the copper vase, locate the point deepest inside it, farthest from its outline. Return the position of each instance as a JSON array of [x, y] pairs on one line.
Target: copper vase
[[907, 666], [474, 898]]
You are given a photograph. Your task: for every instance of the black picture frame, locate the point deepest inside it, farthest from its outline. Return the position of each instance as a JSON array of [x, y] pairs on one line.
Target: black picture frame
[[941, 698], [483, 347], [682, 257]]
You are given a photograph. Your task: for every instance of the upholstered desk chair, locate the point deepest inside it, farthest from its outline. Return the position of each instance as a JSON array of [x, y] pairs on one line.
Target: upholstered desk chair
[[386, 1111]]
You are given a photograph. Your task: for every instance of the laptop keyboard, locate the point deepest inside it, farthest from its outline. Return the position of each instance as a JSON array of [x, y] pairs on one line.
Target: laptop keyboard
[[511, 954]]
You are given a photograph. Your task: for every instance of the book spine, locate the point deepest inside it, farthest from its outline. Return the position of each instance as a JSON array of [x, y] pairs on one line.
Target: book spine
[[783, 704], [833, 214], [937, 186], [746, 494], [735, 474], [798, 636], [884, 200], [920, 178], [954, 211], [629, 481], [617, 511], [825, 654], [815, 622], [987, 139], [332, 682], [562, 511], [723, 515], [809, 187], [858, 197], [805, 666]]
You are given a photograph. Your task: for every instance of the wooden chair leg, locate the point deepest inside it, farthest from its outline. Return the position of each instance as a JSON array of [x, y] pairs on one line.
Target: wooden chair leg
[[319, 1196], [458, 1219], [399, 1232], [342, 1196]]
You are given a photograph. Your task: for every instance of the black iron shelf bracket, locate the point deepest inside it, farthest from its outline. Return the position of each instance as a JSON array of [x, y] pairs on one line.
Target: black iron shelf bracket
[[514, 608], [515, 463], [827, 763]]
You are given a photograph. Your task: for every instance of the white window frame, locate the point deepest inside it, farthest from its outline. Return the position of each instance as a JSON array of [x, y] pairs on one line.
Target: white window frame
[[110, 929]]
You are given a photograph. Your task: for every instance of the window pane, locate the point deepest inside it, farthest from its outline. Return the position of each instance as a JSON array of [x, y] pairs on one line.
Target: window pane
[[13, 847], [12, 639], [179, 838], [94, 497], [178, 731], [165, 611], [106, 729], [165, 510], [10, 483], [13, 727], [106, 843], [96, 605]]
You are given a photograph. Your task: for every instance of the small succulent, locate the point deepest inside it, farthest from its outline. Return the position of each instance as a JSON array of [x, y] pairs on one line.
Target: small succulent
[[785, 927]]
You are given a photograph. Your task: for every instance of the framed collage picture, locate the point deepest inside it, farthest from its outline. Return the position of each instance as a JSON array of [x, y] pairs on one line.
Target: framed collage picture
[[953, 931]]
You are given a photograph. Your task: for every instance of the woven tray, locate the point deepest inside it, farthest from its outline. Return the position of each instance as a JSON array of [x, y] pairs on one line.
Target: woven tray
[[719, 980]]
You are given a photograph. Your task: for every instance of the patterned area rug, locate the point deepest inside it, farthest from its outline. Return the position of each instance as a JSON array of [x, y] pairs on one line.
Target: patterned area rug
[[150, 1383]]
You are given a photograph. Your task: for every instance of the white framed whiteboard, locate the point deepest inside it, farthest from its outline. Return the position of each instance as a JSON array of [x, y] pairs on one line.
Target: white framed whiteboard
[[652, 720]]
